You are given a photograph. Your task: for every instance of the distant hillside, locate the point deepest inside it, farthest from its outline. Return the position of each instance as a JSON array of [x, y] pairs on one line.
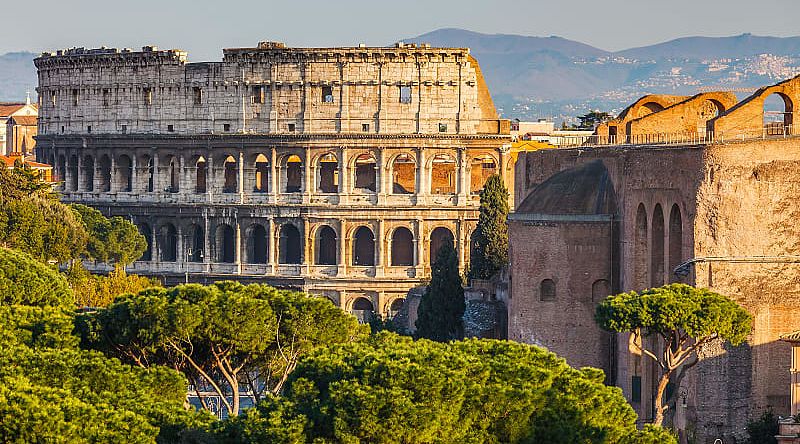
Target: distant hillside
[[17, 76], [744, 45]]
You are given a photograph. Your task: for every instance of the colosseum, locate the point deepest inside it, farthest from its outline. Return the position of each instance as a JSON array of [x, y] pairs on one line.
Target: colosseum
[[338, 171]]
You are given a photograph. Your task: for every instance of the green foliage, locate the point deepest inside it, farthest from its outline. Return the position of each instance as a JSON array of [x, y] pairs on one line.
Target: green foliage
[[763, 429], [20, 182], [490, 239], [37, 327], [99, 291], [389, 388], [590, 120], [42, 227], [112, 240], [220, 334], [442, 306], [26, 281]]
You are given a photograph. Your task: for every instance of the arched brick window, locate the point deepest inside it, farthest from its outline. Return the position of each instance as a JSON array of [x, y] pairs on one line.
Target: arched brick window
[[547, 290]]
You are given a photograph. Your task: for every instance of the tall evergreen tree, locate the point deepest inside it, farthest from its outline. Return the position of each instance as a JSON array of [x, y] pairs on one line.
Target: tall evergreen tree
[[442, 306], [490, 240]]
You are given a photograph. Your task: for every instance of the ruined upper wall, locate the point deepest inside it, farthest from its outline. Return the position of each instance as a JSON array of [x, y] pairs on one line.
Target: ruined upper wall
[[405, 89]]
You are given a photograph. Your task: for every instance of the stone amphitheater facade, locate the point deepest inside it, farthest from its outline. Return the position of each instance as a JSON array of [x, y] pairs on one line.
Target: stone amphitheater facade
[[338, 171]]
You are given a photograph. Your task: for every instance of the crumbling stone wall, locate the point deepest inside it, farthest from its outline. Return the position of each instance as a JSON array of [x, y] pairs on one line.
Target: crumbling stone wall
[[687, 117]]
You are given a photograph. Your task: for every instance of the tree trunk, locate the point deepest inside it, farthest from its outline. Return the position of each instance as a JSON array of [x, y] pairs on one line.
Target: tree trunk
[[660, 407]]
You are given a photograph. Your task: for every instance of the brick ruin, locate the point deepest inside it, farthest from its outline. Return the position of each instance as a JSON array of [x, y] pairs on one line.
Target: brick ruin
[[337, 171], [620, 215]]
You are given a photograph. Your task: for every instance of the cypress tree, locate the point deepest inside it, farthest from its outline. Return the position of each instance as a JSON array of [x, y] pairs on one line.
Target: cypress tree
[[490, 239], [441, 309]]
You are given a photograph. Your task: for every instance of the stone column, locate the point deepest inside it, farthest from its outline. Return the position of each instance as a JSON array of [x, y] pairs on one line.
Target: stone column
[[344, 182], [273, 174], [463, 183], [156, 174], [240, 183], [273, 244], [134, 174], [422, 176], [180, 246], [306, 256], [380, 166], [342, 253], [379, 250], [112, 185], [210, 182], [183, 176], [307, 180], [419, 237], [460, 242], [156, 250], [207, 252], [238, 253]]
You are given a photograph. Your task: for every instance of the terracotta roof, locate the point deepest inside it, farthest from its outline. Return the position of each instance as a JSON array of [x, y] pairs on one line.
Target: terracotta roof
[[791, 337], [25, 120], [7, 109], [9, 162]]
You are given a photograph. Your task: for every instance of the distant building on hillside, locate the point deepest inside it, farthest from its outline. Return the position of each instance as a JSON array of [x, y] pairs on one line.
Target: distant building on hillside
[[544, 130], [18, 127]]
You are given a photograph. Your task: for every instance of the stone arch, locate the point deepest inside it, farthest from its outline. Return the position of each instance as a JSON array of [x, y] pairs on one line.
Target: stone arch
[[147, 232], [73, 173], [443, 174], [197, 242], [200, 175], [147, 167], [640, 249], [124, 176], [290, 245], [601, 288], [402, 247], [257, 244], [327, 169], [230, 180], [104, 170], [777, 113], [547, 290], [293, 174], [362, 308], [365, 172], [363, 246], [675, 241], [481, 168], [439, 237], [404, 174], [168, 243], [657, 248], [648, 108], [88, 173], [225, 241], [326, 246], [394, 307], [261, 174]]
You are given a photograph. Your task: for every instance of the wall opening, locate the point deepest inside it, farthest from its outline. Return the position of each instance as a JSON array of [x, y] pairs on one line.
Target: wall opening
[[88, 173], [174, 176], [124, 174], [439, 238], [326, 246], [778, 109], [362, 309], [149, 172], [201, 172], [363, 247], [402, 247], [481, 168], [649, 108], [395, 307], [262, 174], [61, 168], [404, 175], [257, 245], [601, 289], [675, 241], [290, 247], [657, 248], [105, 173], [640, 249], [73, 173], [547, 290], [168, 243], [294, 174], [226, 244], [148, 237], [327, 94], [198, 243], [230, 179], [443, 174], [366, 172], [328, 169]]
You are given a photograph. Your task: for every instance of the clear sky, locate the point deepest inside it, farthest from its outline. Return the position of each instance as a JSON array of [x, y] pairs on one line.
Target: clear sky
[[204, 27]]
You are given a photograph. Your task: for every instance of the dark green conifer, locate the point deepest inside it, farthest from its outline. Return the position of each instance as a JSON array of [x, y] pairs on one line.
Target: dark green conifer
[[440, 312], [490, 239]]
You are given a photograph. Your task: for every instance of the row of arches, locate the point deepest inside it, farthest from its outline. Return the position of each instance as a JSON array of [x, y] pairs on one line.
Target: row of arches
[[658, 246], [125, 173], [290, 245]]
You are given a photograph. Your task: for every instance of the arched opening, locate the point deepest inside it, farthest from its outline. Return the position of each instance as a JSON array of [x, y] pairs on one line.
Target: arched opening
[[601, 289], [362, 309], [61, 168], [124, 174], [547, 290], [198, 243], [402, 247], [226, 244], [778, 109], [294, 174], [640, 249], [481, 168], [291, 245], [404, 175], [168, 243], [257, 245], [174, 176], [201, 172], [366, 172], [149, 173], [440, 237], [364, 247], [105, 173], [262, 174], [148, 237], [708, 110], [328, 170], [649, 108], [675, 241], [230, 183], [443, 174], [88, 173], [326, 246], [657, 248], [395, 307], [73, 173]]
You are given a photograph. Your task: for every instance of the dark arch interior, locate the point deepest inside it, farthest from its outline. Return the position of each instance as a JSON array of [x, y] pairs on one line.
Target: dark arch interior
[[225, 244], [326, 246], [290, 245], [364, 247], [402, 247], [439, 238], [168, 243], [258, 245], [363, 304]]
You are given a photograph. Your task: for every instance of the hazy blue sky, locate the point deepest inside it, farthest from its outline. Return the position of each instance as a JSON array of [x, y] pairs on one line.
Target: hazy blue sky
[[203, 27]]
